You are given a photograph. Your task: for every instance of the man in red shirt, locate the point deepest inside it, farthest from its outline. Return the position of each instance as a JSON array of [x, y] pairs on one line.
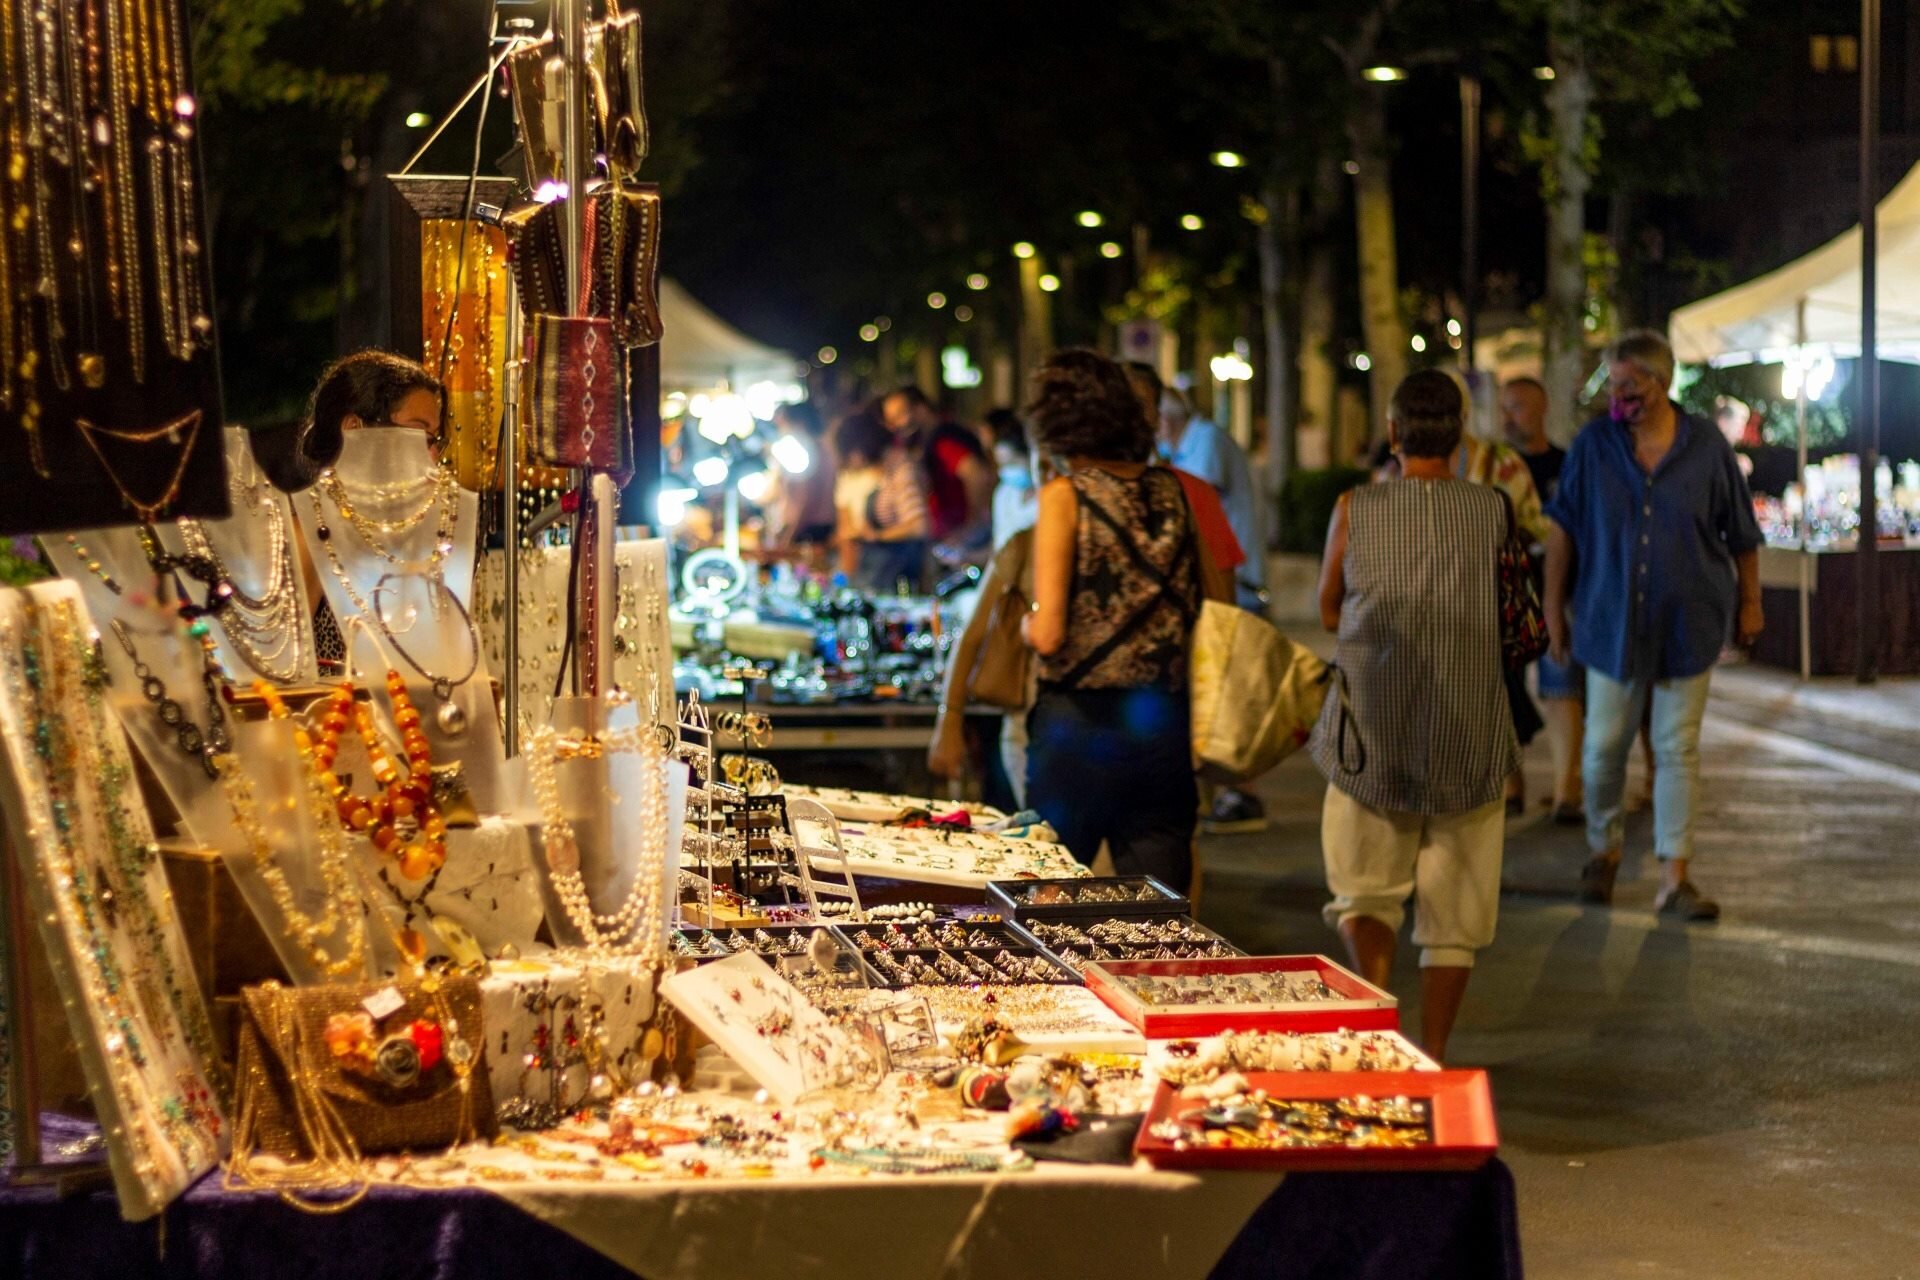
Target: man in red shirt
[[960, 479]]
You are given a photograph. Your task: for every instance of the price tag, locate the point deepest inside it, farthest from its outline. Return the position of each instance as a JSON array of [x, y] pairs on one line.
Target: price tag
[[384, 1002]]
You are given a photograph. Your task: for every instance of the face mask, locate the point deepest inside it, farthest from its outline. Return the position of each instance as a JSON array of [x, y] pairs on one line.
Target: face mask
[[1016, 477], [1165, 451], [382, 455]]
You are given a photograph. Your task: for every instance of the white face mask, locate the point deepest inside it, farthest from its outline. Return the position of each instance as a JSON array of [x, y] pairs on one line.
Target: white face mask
[[382, 455]]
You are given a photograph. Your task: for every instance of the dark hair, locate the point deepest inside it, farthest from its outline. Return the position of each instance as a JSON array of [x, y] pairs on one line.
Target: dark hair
[[1083, 406], [1428, 408], [368, 385], [913, 395], [861, 432], [1141, 371], [1007, 429]]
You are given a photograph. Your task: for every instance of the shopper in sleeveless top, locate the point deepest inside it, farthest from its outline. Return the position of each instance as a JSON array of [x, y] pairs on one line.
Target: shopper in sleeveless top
[[1119, 574], [1417, 755]]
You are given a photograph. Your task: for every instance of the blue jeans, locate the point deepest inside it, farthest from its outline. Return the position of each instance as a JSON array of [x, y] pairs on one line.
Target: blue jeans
[[1614, 712]]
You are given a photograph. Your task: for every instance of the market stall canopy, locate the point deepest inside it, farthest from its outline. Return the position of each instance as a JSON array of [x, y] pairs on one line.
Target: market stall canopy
[[700, 351], [1756, 322]]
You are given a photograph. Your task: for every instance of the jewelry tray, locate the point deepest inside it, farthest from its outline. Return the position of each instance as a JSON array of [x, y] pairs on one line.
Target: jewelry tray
[[1019, 950], [1364, 1008], [1016, 898], [1122, 951], [789, 949], [1459, 1109]]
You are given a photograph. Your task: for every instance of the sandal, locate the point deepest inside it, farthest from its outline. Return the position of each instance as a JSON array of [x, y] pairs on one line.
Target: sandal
[[1596, 880]]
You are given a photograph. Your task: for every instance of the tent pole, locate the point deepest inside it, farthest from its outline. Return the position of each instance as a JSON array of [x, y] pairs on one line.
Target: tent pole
[[1867, 598]]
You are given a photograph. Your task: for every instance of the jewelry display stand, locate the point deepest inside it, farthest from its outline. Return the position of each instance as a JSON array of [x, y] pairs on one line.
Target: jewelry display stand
[[264, 750], [422, 599], [601, 797], [267, 631], [172, 656], [642, 643], [96, 887]]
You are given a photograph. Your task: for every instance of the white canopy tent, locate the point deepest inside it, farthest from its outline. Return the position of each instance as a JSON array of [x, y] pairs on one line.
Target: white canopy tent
[[1760, 321], [701, 352]]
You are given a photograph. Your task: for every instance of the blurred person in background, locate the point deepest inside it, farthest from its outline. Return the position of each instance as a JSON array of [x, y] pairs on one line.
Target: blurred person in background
[[1016, 496], [802, 514], [1562, 687], [1489, 462], [1223, 482], [878, 540], [958, 478]]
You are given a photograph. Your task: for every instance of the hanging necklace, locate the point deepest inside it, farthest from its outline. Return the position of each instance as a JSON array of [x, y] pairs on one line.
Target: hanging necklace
[[401, 819], [641, 919], [446, 496], [168, 431], [262, 628], [194, 742], [450, 716], [343, 915]]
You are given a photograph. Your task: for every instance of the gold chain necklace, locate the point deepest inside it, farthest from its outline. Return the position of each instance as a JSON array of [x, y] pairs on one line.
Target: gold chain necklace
[[170, 432]]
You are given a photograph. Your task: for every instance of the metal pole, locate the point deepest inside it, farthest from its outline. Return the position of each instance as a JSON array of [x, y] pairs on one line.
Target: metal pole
[[1867, 627], [1469, 213], [570, 17], [1800, 444], [510, 518]]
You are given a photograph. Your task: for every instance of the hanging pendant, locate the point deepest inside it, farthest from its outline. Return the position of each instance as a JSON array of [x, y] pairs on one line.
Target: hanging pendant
[[452, 719]]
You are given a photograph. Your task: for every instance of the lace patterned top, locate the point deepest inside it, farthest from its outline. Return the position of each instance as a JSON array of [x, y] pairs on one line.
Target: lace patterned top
[[1136, 585]]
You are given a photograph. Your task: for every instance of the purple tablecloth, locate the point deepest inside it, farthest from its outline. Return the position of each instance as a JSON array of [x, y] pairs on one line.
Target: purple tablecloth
[[1411, 1226]]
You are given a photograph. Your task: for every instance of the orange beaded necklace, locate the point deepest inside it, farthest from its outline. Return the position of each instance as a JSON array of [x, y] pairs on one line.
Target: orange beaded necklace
[[401, 819]]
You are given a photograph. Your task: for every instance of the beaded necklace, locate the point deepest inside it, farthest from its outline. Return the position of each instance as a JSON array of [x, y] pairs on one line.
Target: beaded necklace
[[343, 916]]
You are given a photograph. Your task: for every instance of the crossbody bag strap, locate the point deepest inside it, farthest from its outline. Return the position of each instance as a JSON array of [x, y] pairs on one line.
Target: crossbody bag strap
[[1138, 618]]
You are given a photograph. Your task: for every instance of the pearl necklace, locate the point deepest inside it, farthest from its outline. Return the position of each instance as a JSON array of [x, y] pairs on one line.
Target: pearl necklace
[[641, 918], [343, 914]]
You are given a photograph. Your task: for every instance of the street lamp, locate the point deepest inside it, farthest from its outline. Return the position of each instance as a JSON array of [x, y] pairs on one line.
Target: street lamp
[[936, 300], [1383, 75], [1089, 218], [1049, 283], [1192, 221], [1023, 249], [1229, 159], [976, 282], [826, 355], [1110, 250]]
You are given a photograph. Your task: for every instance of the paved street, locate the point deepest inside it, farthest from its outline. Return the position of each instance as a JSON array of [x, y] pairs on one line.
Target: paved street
[[1730, 1100]]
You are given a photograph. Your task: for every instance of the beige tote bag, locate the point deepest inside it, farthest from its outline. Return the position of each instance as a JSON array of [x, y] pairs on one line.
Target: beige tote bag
[[1256, 694]]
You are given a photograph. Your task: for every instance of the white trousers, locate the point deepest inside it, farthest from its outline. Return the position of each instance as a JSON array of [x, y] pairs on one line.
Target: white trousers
[[1449, 863]]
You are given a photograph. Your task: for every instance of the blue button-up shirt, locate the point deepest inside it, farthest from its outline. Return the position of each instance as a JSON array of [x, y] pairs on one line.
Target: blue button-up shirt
[[1654, 589]]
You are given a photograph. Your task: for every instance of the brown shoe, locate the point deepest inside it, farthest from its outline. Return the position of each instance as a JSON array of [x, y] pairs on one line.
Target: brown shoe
[[1596, 881], [1688, 903]]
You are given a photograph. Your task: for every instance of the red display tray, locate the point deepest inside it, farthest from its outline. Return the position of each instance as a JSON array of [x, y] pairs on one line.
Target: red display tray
[[1366, 1007], [1459, 1109]]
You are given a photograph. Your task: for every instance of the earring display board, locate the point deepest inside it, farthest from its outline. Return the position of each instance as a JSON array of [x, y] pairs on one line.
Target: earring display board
[[109, 385], [97, 887], [766, 1026]]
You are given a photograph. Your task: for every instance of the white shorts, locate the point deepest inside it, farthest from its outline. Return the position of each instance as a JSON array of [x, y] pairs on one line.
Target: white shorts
[[1449, 862]]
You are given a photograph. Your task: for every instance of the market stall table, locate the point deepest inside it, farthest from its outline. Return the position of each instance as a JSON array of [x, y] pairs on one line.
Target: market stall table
[[1831, 576], [1057, 1221]]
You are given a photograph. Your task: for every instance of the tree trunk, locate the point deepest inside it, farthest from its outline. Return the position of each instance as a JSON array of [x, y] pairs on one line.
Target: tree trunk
[[1570, 100], [1319, 377], [1278, 338], [1380, 318]]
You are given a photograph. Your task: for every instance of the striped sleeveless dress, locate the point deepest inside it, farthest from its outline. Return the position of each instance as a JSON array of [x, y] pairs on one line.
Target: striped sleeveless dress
[[1420, 650]]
